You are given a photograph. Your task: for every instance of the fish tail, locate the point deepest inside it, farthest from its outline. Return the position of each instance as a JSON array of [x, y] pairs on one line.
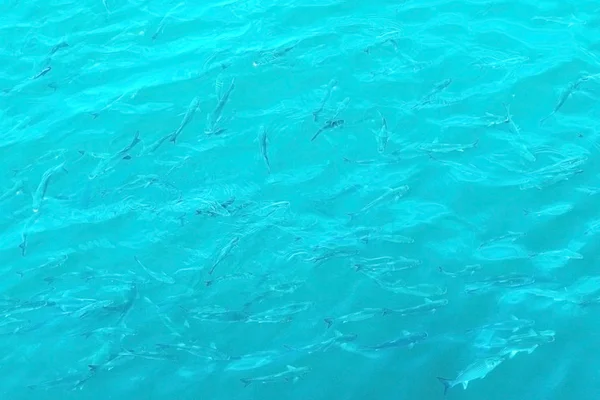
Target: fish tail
[[447, 384], [246, 382]]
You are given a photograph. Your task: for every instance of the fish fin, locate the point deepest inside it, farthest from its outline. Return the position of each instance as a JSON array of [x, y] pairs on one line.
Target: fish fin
[[338, 333], [329, 322], [428, 300], [532, 349], [447, 384], [386, 311], [513, 353], [465, 384], [93, 368], [127, 157], [291, 368]]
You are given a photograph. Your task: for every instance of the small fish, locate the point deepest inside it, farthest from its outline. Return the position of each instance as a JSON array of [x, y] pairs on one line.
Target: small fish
[[513, 324], [437, 147], [162, 277], [110, 163], [59, 46], [407, 339], [189, 114], [274, 56], [392, 194], [253, 360], [161, 25], [331, 86], [291, 374], [132, 295], [263, 142], [565, 96], [429, 306], [322, 346], [280, 314], [478, 370], [383, 135], [468, 270], [40, 192], [362, 315], [224, 253], [16, 189], [214, 118], [42, 72], [328, 125], [508, 237], [428, 98], [333, 122], [51, 264], [239, 275]]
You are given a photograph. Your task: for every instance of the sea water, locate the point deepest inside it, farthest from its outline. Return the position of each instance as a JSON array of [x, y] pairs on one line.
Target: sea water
[[302, 200]]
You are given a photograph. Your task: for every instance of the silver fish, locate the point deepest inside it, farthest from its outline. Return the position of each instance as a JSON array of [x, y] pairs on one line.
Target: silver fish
[[263, 142], [383, 135], [189, 114], [478, 370], [110, 163], [565, 96], [392, 194], [40, 192], [214, 118], [225, 251], [291, 374], [331, 86], [362, 315]]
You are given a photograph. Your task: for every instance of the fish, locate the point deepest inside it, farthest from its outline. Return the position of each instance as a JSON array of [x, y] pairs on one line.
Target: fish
[[109, 163], [40, 192], [565, 96], [383, 135], [391, 194], [428, 98], [333, 122], [429, 306], [42, 72], [437, 147], [189, 114], [291, 374], [407, 339], [215, 117], [328, 125], [338, 339], [225, 251], [162, 277], [263, 142], [478, 370], [467, 270], [513, 324], [331, 86], [280, 314]]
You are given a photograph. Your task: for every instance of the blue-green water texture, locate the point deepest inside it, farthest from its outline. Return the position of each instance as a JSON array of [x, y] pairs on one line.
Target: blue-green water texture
[[311, 200]]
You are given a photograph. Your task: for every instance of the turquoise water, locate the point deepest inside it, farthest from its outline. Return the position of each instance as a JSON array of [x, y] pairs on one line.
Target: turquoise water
[[300, 200]]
